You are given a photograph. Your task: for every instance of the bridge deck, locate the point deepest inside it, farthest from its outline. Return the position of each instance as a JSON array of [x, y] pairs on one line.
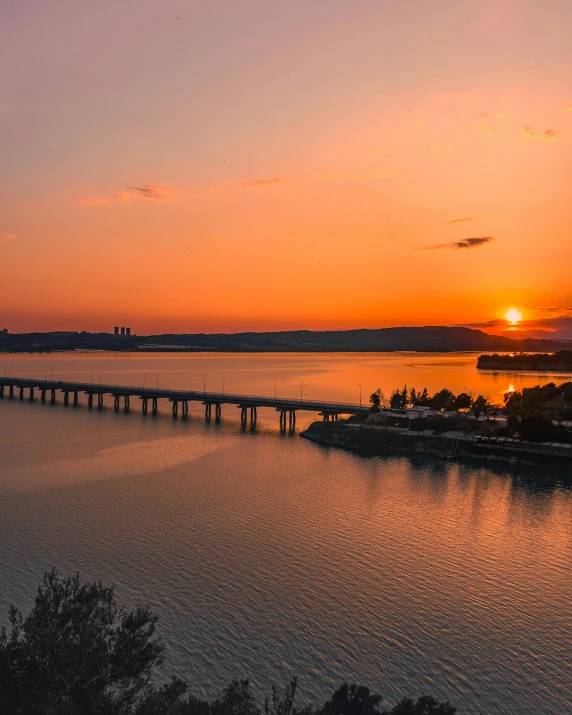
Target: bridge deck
[[215, 398]]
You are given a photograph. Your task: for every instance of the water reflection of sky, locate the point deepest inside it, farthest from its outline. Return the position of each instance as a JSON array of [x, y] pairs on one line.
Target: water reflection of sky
[[266, 556]]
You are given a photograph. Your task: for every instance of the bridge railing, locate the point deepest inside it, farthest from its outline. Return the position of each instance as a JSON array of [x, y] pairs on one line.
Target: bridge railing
[[168, 392]]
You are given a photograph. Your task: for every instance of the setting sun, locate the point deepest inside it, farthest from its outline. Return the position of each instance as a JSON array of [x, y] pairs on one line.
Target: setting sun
[[513, 316]]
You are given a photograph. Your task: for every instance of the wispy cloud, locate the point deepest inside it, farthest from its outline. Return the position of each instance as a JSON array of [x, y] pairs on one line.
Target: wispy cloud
[[9, 236], [149, 192], [546, 134], [463, 243], [154, 192], [567, 109], [486, 128], [259, 183], [460, 220]]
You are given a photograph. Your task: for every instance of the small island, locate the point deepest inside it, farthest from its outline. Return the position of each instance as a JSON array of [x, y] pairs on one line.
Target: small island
[[560, 361]]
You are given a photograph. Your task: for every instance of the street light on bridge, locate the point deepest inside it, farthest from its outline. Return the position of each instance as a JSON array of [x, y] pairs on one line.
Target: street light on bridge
[[359, 383], [274, 380], [223, 379], [204, 384], [301, 393]]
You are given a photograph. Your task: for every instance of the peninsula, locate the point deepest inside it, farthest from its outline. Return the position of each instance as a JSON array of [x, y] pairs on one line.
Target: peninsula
[[560, 361]]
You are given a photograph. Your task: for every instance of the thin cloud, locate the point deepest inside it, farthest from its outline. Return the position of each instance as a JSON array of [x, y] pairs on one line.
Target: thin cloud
[[463, 243], [154, 192], [546, 134], [460, 220], [9, 236], [259, 183], [92, 201], [486, 128], [567, 109], [550, 134]]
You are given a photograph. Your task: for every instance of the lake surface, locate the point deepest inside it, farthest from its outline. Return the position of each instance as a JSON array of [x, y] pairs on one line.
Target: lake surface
[[266, 555]]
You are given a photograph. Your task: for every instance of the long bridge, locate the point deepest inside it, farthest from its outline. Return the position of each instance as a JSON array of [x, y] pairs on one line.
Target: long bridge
[[248, 404]]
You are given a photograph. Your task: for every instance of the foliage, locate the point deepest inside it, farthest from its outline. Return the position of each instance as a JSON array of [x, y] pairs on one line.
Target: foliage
[[479, 405], [76, 649], [437, 423], [444, 399], [377, 400], [396, 400], [561, 360], [537, 429], [78, 653], [463, 401]]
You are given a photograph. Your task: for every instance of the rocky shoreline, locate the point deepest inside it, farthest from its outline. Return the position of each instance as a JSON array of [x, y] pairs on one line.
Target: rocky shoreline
[[370, 441]]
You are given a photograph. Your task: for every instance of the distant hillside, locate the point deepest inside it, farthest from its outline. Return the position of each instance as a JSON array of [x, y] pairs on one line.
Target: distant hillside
[[425, 339]]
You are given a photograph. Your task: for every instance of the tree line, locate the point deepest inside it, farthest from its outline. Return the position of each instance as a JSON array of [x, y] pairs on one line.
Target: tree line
[[78, 653], [441, 400]]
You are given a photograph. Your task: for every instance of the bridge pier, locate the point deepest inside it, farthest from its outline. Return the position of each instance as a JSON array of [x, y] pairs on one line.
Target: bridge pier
[[144, 405], [1, 392], [66, 397], [154, 405], [11, 392], [217, 412], [43, 394], [175, 408], [99, 400], [116, 399], [126, 403], [184, 408], [21, 393], [208, 407], [90, 399], [75, 397], [52, 395]]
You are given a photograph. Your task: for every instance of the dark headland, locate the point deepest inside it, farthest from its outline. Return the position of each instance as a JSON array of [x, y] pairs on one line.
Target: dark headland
[[422, 339], [560, 361]]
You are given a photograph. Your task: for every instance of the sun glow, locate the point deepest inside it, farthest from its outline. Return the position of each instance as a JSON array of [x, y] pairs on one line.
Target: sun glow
[[513, 316]]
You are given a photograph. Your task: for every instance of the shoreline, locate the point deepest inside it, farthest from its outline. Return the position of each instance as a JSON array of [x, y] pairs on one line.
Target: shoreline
[[369, 441]]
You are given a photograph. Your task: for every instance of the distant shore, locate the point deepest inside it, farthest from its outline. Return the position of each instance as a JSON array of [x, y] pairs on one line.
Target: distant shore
[[560, 361], [436, 339]]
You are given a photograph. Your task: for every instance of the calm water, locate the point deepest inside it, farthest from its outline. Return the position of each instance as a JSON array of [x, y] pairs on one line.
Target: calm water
[[266, 555]]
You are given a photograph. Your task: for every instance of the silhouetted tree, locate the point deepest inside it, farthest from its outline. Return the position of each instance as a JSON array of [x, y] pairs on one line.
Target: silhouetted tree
[[377, 399], [479, 405], [537, 429], [462, 401], [395, 400], [404, 397], [76, 651], [441, 399], [413, 396], [426, 705], [423, 399], [352, 700]]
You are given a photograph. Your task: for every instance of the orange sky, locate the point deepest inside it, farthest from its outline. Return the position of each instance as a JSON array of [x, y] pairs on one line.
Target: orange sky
[[240, 165]]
